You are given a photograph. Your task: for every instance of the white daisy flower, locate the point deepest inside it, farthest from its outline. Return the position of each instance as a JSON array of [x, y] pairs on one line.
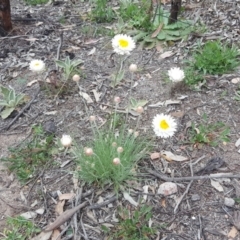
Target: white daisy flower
[[164, 125], [176, 74], [37, 65], [66, 140], [123, 44]]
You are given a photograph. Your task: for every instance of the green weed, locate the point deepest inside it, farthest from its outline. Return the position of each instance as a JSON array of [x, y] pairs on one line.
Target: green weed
[[160, 30], [36, 2], [209, 133], [216, 58], [19, 228], [134, 225], [237, 94], [193, 77], [136, 14], [10, 101], [68, 66], [26, 160], [102, 12]]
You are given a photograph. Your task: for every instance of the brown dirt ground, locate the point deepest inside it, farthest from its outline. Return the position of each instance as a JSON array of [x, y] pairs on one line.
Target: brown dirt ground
[[208, 218]]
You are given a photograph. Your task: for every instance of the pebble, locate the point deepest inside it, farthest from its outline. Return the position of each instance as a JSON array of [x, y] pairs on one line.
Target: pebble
[[167, 188], [50, 127], [229, 202], [195, 197]]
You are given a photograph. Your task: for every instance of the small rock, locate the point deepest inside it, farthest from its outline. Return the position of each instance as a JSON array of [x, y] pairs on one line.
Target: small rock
[[229, 202], [195, 197], [40, 211], [29, 215], [167, 188], [50, 127]]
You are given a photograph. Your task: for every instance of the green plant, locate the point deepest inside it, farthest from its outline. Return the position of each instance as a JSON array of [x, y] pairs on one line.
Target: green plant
[[237, 95], [36, 2], [237, 200], [102, 12], [136, 14], [68, 66], [26, 160], [134, 225], [93, 31], [19, 228], [160, 30], [215, 58], [113, 155], [170, 32], [209, 133], [62, 19], [193, 77], [10, 101]]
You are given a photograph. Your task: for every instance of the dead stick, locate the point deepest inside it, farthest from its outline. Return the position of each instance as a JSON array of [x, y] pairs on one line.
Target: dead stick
[[186, 191], [179, 179], [64, 217], [21, 112], [103, 203], [59, 48]]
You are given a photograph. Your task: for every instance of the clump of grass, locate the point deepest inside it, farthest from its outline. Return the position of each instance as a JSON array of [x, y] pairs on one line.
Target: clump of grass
[[215, 58], [209, 133], [19, 228], [102, 12], [111, 156], [134, 225], [136, 15], [28, 158], [193, 77]]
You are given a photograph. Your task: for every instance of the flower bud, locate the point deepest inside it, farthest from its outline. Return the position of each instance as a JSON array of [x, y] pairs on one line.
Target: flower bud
[[133, 67], [136, 134], [76, 78], [92, 118], [88, 151], [119, 149], [66, 140], [139, 109], [117, 100], [114, 144], [116, 161], [130, 131]]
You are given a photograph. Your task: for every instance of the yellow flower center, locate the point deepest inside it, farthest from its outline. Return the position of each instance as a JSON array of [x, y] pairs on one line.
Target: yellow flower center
[[123, 43], [164, 125], [37, 64]]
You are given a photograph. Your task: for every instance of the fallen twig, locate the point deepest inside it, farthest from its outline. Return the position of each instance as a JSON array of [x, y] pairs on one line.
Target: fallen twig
[[22, 111], [103, 203], [64, 217], [179, 179], [78, 198], [59, 48], [186, 191]]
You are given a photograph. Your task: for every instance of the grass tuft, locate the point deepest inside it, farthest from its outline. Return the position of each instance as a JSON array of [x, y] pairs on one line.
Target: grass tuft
[[216, 58], [26, 160], [134, 225], [114, 158], [19, 228]]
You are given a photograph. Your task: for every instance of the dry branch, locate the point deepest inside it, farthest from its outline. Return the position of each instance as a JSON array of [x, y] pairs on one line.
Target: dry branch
[[179, 179]]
